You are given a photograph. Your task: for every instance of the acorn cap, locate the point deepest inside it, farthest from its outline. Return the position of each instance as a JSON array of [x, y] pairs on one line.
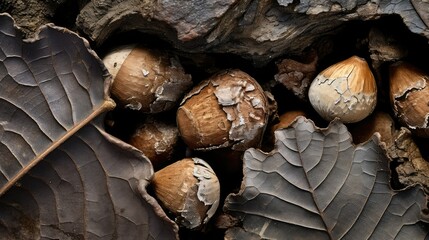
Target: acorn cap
[[409, 96], [190, 189], [346, 90], [229, 109]]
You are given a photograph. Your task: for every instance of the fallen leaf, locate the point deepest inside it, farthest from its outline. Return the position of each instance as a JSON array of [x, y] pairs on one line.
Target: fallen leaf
[[317, 184], [90, 187], [50, 87], [61, 175]]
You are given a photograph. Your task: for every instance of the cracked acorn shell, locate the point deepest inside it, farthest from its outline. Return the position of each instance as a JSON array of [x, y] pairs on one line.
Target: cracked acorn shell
[[145, 79], [157, 138], [346, 90], [229, 109], [409, 96], [190, 189]]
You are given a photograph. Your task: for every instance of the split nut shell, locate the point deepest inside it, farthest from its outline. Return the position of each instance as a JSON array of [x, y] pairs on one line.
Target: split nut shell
[[190, 189], [229, 109], [144, 79], [346, 90], [409, 96]]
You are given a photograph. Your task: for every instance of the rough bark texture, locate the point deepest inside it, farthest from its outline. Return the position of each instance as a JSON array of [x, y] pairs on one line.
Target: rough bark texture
[[31, 14], [258, 30]]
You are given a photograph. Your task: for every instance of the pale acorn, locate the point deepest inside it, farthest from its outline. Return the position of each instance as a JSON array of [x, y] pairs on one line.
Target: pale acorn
[[346, 90]]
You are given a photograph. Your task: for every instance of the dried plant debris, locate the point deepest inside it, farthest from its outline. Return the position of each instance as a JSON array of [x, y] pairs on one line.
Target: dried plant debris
[[296, 76], [317, 184], [51, 86], [413, 169], [385, 46]]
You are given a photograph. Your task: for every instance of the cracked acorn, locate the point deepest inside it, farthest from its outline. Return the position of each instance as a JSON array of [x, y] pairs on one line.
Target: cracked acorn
[[346, 90], [190, 189], [409, 96], [158, 139], [230, 109], [145, 79]]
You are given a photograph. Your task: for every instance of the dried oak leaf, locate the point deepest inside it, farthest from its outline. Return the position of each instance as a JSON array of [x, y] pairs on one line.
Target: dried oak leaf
[[61, 175], [317, 184], [50, 87], [90, 187]]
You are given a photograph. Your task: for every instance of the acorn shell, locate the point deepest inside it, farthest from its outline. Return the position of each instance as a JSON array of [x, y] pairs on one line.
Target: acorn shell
[[346, 90], [157, 139], [144, 79], [190, 189], [409, 96], [287, 118], [229, 109]]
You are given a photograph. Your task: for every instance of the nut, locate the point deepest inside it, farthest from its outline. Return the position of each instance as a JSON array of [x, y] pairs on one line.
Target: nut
[[145, 79], [157, 139], [409, 96], [380, 122], [287, 118], [189, 189], [346, 90], [229, 109]]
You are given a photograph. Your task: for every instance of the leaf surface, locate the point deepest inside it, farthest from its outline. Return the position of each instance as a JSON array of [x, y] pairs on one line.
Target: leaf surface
[[422, 9], [66, 178], [316, 184], [50, 87], [91, 187]]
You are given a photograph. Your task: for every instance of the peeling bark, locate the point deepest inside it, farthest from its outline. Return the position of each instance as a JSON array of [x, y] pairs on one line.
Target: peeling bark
[[257, 30]]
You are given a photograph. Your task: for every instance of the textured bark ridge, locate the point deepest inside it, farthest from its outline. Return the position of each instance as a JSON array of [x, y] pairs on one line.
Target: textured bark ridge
[[258, 30]]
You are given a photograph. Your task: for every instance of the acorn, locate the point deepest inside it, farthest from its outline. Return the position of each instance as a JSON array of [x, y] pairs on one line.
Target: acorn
[[230, 109], [346, 90], [287, 118], [158, 139], [409, 96], [380, 122], [147, 80], [190, 190]]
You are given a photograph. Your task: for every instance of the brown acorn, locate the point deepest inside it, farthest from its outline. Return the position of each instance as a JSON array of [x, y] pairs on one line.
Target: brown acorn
[[287, 118], [190, 189], [346, 90], [157, 139], [145, 79], [380, 122], [229, 109], [409, 96]]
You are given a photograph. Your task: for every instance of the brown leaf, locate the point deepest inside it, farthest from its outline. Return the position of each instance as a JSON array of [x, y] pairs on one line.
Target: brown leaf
[[91, 187], [51, 86], [89, 184], [316, 184]]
